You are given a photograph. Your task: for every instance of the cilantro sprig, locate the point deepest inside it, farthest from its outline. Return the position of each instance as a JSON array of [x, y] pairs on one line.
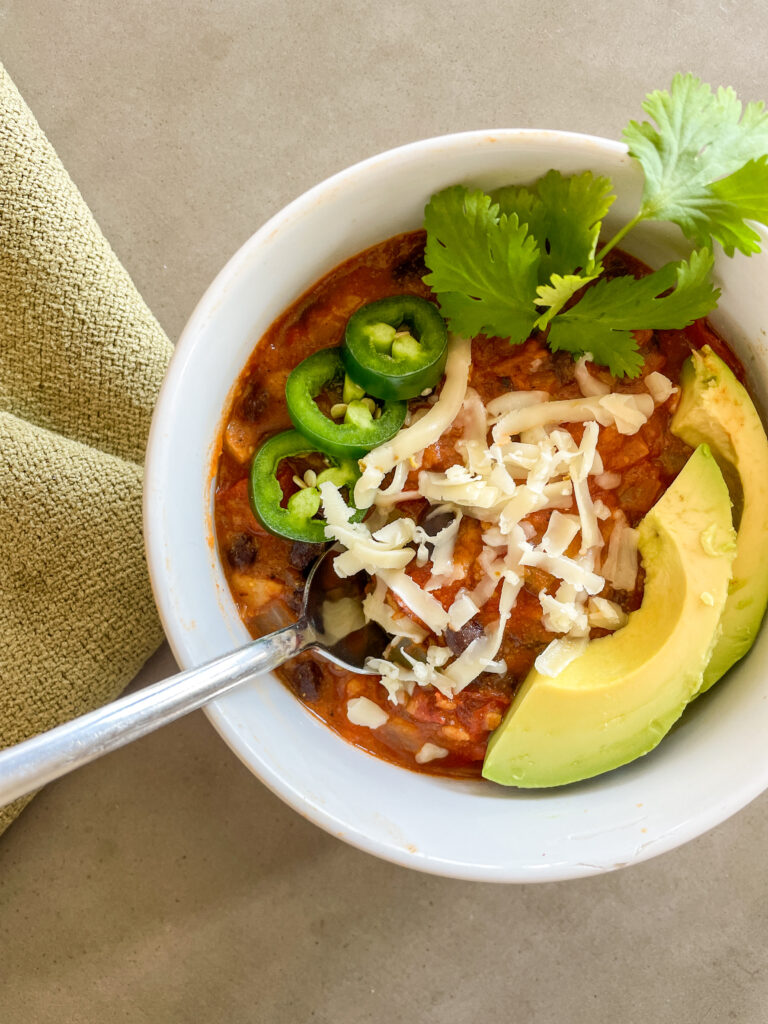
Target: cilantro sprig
[[608, 313], [521, 258], [700, 138]]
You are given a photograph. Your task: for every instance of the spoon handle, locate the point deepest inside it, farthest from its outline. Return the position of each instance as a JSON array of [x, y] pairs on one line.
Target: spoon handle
[[34, 762]]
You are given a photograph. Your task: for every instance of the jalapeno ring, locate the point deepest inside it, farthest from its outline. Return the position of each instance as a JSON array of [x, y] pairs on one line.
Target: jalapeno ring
[[396, 347], [297, 520], [360, 431]]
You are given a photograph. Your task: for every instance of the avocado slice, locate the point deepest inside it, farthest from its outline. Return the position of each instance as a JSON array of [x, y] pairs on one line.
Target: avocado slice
[[715, 409], [622, 695]]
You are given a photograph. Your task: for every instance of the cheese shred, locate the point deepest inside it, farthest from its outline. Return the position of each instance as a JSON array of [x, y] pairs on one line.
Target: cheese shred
[[530, 463]]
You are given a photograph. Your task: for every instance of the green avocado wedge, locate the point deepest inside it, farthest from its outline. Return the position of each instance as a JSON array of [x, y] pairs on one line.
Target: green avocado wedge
[[715, 409], [618, 699]]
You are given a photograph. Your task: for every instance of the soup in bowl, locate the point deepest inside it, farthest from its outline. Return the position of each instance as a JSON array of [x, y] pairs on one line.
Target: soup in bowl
[[415, 796]]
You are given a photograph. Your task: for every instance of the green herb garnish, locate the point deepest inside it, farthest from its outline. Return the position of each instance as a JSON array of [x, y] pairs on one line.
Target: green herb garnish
[[514, 261], [700, 138]]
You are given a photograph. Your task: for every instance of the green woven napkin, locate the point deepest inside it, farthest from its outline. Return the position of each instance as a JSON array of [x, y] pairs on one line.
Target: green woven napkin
[[81, 361]]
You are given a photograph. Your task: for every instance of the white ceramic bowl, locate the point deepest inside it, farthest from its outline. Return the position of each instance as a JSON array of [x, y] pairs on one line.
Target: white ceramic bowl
[[707, 769]]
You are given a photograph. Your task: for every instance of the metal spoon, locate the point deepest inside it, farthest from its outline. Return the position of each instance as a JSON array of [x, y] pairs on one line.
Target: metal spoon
[[31, 764]]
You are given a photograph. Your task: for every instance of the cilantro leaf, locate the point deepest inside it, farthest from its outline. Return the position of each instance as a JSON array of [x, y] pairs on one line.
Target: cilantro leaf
[[616, 349], [520, 200], [700, 137], [564, 215], [558, 292], [484, 266], [603, 320], [745, 193], [632, 303]]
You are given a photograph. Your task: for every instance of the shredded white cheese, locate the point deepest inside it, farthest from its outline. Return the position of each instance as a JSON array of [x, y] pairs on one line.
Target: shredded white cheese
[[608, 481], [620, 565], [601, 510], [589, 385], [426, 431], [560, 531], [514, 400], [365, 552], [606, 614], [422, 604], [460, 486], [461, 611], [660, 387], [362, 711], [394, 491], [479, 655], [565, 612], [570, 570], [532, 464], [430, 752], [629, 412], [559, 654], [340, 618], [376, 609]]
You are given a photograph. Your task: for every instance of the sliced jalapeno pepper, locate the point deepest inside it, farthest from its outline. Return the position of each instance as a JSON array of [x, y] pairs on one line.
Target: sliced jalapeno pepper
[[297, 520], [396, 347], [357, 430]]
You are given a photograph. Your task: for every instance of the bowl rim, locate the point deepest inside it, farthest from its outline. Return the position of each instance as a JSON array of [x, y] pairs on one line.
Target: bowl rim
[[212, 298]]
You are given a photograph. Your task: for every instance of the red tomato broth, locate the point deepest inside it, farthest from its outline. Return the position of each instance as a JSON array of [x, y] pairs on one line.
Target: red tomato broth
[[266, 573]]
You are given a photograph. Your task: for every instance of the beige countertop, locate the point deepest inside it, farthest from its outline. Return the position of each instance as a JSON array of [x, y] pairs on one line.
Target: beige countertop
[[164, 883]]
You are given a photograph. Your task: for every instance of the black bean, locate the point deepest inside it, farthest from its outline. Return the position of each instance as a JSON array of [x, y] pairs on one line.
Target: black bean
[[242, 551], [564, 367], [255, 402], [294, 598], [303, 554], [459, 640], [306, 678], [433, 524], [413, 266]]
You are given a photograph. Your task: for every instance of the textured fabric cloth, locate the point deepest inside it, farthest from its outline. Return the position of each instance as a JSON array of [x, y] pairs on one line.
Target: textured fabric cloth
[[81, 362]]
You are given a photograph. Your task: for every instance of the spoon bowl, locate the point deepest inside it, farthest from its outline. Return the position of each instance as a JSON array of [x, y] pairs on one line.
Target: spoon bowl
[[331, 622], [333, 609]]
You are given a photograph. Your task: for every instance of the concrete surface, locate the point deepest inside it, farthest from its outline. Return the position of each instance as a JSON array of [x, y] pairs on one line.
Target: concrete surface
[[165, 884]]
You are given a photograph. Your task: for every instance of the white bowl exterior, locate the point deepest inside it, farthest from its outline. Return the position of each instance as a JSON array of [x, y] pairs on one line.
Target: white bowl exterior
[[708, 768]]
